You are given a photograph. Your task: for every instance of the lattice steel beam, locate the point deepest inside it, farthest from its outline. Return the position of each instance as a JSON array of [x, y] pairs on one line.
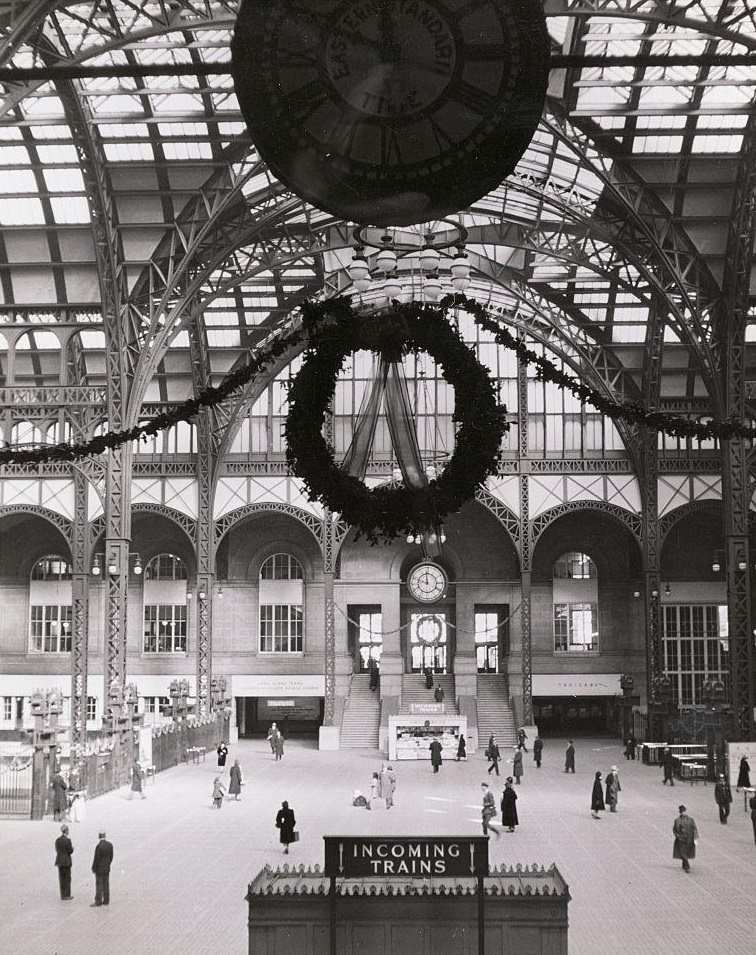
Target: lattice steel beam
[[80, 614]]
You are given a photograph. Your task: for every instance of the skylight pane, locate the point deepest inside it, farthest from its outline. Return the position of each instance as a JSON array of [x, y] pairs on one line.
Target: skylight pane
[[21, 212]]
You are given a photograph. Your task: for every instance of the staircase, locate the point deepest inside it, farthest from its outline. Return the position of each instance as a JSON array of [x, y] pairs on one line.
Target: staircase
[[362, 715], [413, 691], [494, 712]]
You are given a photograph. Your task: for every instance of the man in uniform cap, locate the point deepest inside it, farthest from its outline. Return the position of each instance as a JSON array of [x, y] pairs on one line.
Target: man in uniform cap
[[686, 836], [103, 858], [63, 852]]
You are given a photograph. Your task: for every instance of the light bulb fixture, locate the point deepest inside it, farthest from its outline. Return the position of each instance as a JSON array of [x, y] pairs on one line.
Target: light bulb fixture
[[358, 268], [386, 258], [392, 286], [742, 564], [410, 539], [220, 591], [667, 590], [96, 569], [188, 595], [432, 287], [363, 284], [112, 567], [138, 565], [636, 593], [429, 257], [654, 593], [716, 563], [201, 594], [442, 537]]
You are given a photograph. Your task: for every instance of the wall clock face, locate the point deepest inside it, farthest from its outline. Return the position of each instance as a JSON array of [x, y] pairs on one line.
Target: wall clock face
[[427, 582], [391, 112]]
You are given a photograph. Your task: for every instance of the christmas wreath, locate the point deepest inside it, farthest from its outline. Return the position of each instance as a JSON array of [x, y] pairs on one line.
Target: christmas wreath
[[333, 332]]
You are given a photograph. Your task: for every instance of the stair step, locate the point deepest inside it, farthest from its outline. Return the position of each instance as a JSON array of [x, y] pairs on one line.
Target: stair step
[[360, 723]]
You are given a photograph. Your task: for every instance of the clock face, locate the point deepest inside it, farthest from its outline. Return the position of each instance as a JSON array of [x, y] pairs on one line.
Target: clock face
[[427, 582], [391, 111]]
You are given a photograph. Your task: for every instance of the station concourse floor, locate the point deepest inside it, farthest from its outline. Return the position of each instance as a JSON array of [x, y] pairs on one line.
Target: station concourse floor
[[181, 869]]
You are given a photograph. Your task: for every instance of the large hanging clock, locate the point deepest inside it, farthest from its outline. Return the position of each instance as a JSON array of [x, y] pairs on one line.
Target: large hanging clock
[[427, 582], [391, 112]]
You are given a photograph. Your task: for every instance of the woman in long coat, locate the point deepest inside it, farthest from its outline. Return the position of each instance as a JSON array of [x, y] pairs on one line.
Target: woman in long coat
[[60, 798], [235, 784], [222, 752], [517, 767], [285, 823], [509, 806], [461, 748], [744, 774], [597, 797]]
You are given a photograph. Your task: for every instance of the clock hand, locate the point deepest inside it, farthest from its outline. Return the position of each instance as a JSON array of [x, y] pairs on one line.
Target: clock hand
[[388, 44]]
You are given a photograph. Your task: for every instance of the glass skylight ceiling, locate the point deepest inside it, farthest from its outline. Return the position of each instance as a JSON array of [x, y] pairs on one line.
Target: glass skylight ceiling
[[566, 227]]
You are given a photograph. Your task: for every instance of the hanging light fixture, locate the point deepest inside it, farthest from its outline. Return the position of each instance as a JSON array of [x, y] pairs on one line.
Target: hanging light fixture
[[432, 287], [138, 565], [386, 258], [392, 286], [460, 271], [358, 269], [96, 569]]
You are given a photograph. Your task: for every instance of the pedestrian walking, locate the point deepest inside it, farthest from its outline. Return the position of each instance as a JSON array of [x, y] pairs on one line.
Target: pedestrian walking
[[219, 791], [744, 774], [222, 752], [388, 784], [375, 786], [613, 789], [278, 745], [428, 678], [236, 781], [372, 674], [668, 765], [597, 797], [630, 747], [60, 796], [752, 804], [686, 836], [521, 737], [273, 731], [723, 798], [517, 768], [462, 748], [435, 754], [103, 859], [509, 806], [63, 852], [569, 758], [493, 755], [538, 751], [285, 823], [439, 694], [137, 779], [488, 811]]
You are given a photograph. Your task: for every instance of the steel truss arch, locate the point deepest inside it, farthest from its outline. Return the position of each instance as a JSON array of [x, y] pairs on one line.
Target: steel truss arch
[[508, 520], [61, 523], [184, 522], [691, 508], [312, 522], [631, 522]]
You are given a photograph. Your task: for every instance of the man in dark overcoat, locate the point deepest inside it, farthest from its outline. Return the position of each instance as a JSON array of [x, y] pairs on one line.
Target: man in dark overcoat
[[723, 798], [60, 797], [569, 758], [538, 751], [103, 859], [686, 834], [668, 765], [509, 806], [63, 852], [435, 754]]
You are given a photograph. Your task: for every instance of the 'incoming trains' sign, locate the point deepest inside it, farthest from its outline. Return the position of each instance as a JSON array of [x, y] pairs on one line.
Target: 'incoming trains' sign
[[354, 857]]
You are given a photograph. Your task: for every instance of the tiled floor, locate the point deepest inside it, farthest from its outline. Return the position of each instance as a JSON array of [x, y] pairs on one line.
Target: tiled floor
[[181, 869]]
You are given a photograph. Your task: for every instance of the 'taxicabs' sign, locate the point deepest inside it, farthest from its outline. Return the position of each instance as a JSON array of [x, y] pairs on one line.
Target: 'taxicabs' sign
[[354, 857]]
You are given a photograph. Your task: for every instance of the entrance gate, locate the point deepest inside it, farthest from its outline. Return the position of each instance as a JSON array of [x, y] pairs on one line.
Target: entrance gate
[[16, 784]]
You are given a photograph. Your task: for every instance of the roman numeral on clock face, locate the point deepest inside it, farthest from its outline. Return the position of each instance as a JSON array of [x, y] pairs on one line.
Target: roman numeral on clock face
[[475, 99], [304, 101], [390, 152]]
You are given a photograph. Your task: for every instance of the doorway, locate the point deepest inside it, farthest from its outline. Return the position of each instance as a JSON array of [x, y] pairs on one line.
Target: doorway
[[428, 640], [491, 637], [365, 635]]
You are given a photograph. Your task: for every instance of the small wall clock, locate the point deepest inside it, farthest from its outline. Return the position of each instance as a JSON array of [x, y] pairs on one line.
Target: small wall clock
[[391, 112]]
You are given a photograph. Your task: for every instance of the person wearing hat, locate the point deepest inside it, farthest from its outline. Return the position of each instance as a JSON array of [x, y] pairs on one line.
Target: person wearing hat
[[686, 835], [597, 797], [612, 789], [137, 777], [103, 859], [63, 852], [723, 798], [489, 810], [509, 806]]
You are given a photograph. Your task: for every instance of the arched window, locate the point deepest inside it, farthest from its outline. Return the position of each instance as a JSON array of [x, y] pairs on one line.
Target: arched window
[[50, 618], [575, 598], [281, 605], [165, 597]]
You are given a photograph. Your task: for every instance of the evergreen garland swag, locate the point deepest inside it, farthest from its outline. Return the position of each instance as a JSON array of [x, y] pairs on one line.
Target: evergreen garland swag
[[334, 331]]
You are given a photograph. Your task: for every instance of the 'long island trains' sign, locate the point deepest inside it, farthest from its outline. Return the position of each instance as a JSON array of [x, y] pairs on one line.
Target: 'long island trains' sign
[[354, 857]]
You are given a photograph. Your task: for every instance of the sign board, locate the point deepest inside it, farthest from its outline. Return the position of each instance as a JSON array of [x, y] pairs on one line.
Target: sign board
[[355, 857], [576, 684], [288, 685], [426, 708]]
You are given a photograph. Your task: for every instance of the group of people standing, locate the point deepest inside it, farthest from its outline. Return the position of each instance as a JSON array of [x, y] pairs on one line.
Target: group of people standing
[[101, 863], [600, 799], [382, 785], [509, 816]]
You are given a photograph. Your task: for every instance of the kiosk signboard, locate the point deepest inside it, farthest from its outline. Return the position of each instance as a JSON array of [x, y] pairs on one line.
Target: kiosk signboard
[[356, 857]]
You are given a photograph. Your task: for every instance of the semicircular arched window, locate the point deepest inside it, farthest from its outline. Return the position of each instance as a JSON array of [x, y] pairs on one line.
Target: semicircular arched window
[[575, 599], [165, 598], [50, 617], [281, 602]]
